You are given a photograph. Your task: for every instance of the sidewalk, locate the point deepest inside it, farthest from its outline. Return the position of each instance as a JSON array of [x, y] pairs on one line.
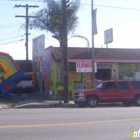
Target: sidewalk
[[32, 101], [41, 101]]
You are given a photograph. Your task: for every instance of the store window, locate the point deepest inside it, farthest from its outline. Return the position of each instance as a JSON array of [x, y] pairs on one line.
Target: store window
[[72, 67], [128, 69]]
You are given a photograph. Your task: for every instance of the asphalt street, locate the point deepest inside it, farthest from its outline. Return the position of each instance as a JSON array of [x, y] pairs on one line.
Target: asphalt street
[[108, 123]]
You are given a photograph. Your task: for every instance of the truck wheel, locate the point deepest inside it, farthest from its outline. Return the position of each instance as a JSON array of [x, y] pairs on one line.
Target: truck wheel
[[92, 101], [82, 105], [137, 101], [127, 104]]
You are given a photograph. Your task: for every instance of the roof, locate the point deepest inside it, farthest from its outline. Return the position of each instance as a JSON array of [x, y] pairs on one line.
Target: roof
[[101, 54], [72, 52]]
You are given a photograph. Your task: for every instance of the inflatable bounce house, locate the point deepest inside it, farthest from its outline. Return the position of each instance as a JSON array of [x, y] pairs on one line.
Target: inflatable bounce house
[[10, 74]]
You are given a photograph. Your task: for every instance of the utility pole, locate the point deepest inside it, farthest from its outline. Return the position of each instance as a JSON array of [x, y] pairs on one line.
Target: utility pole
[[27, 23], [64, 51], [93, 50]]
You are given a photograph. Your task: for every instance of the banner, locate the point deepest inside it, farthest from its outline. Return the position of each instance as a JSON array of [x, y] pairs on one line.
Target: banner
[[94, 26]]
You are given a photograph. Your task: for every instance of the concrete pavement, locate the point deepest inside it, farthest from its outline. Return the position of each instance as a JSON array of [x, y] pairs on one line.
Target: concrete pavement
[[32, 101], [40, 101]]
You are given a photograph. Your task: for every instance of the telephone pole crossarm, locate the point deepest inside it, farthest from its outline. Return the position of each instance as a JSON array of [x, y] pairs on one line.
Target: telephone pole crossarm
[[28, 16], [29, 6]]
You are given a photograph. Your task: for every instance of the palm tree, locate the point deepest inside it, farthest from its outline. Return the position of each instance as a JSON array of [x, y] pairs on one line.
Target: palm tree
[[50, 19]]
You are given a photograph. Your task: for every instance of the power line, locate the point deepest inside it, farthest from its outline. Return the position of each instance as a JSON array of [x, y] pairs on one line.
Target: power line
[[16, 21], [11, 42], [115, 7], [28, 0], [1, 27], [9, 19], [11, 38], [124, 8], [8, 35], [24, 1], [7, 11], [52, 42]]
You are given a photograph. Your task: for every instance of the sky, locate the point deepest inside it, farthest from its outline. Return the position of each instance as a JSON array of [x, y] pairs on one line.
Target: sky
[[120, 15]]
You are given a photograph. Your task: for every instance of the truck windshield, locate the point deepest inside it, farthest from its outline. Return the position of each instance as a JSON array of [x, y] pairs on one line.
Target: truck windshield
[[99, 86]]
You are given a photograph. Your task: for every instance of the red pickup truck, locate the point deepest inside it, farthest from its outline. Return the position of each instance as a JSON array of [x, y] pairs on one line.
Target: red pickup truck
[[127, 92]]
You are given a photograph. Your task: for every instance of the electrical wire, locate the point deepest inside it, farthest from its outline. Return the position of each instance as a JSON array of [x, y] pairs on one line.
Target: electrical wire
[[123, 8], [1, 27], [12, 37], [45, 37], [9, 34], [11, 42], [115, 7], [6, 11], [26, 0]]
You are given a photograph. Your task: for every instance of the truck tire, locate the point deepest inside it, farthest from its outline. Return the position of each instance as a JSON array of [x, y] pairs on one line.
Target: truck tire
[[92, 101], [137, 101]]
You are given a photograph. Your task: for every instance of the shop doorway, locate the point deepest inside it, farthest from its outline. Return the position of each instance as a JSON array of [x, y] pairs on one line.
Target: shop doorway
[[103, 74]]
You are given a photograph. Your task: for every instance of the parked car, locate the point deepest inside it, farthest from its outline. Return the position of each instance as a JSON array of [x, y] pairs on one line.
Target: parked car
[[127, 92]]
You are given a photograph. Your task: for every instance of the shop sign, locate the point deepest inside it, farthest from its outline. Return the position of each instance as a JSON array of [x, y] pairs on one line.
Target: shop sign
[[79, 86], [76, 77], [104, 65], [87, 66], [83, 67]]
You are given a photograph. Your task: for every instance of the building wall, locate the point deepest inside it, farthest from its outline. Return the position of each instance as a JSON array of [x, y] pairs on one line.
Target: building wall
[[83, 80], [54, 73]]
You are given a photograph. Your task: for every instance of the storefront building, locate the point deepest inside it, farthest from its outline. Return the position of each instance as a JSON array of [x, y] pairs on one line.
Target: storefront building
[[110, 63]]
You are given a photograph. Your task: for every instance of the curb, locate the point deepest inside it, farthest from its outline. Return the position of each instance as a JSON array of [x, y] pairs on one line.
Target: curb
[[52, 105], [7, 105], [64, 105], [57, 105]]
